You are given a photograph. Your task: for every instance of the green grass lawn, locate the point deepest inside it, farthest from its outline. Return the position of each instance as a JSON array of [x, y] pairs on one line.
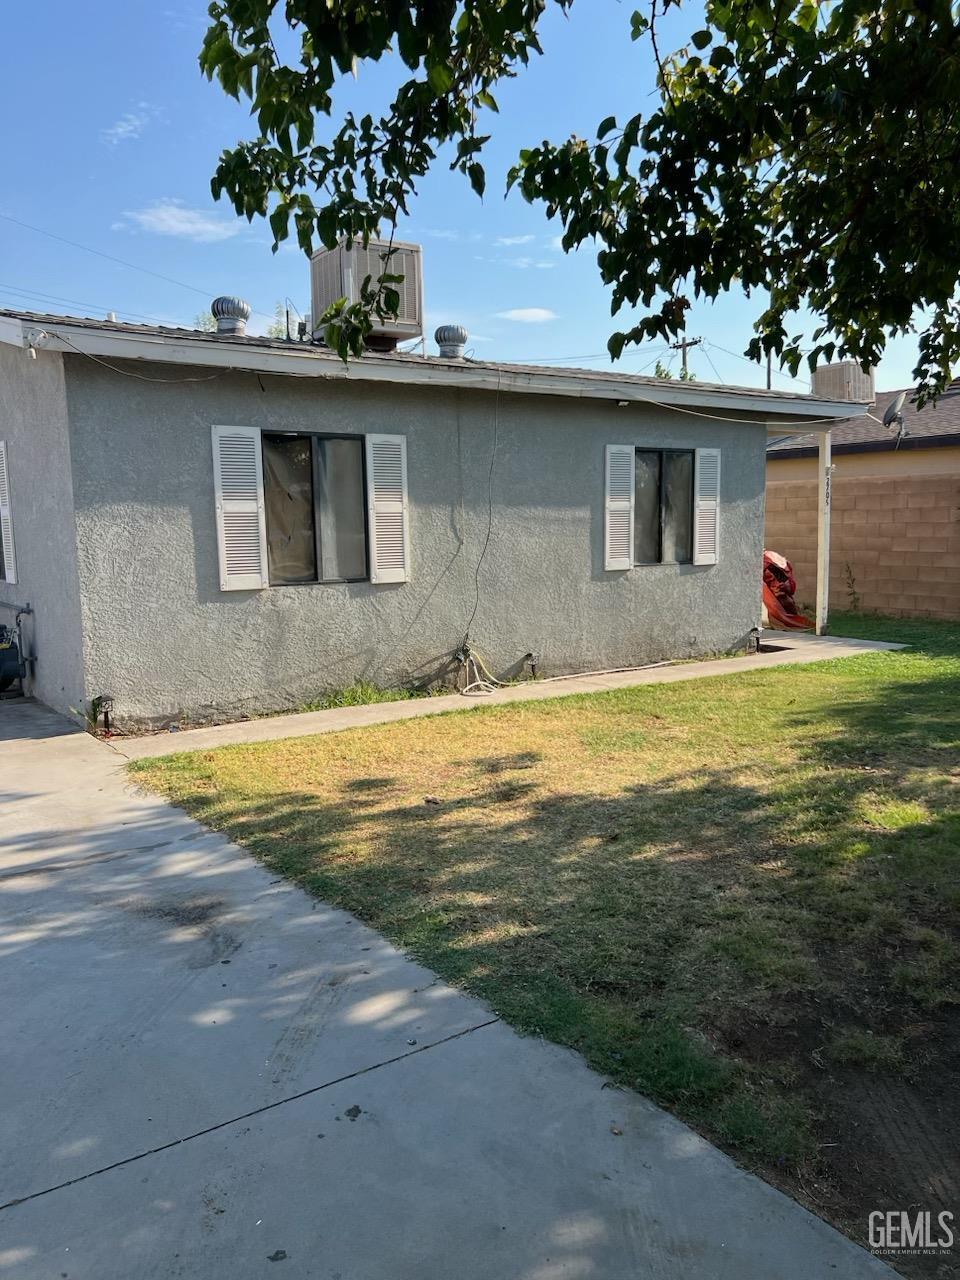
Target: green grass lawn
[[737, 895]]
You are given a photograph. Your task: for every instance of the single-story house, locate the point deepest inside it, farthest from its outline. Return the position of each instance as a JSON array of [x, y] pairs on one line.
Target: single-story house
[[212, 525], [895, 540]]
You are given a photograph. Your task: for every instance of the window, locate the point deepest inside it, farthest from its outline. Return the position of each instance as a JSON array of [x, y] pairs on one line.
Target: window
[[335, 507], [315, 506], [663, 506]]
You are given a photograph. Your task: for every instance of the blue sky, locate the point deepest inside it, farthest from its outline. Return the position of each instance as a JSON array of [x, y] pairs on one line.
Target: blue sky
[[113, 134]]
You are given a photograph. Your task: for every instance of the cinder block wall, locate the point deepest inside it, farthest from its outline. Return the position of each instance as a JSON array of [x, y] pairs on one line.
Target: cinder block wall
[[899, 535]]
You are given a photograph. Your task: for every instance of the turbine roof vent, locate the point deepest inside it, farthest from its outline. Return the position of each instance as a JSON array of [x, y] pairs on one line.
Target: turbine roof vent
[[452, 340], [231, 315]]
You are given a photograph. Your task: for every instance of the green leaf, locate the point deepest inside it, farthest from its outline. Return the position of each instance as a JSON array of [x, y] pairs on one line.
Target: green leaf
[[756, 163], [278, 223], [615, 344], [440, 78]]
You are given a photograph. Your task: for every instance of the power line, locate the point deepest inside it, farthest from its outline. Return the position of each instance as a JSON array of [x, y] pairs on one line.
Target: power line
[[109, 257], [716, 372], [655, 360], [598, 355], [130, 373], [486, 540], [738, 355], [74, 244], [75, 302]]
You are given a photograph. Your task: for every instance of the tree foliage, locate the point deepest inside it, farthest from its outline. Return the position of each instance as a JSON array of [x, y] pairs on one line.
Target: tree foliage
[[277, 328], [661, 370], [804, 151]]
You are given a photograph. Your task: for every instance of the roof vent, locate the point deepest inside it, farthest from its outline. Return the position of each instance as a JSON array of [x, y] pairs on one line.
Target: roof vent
[[451, 339], [231, 315], [844, 380]]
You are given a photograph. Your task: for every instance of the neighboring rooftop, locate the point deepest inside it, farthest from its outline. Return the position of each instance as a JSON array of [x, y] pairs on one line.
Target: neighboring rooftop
[[927, 428], [160, 344]]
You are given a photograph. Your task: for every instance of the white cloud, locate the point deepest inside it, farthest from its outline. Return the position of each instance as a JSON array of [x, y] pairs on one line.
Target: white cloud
[[173, 218], [523, 263], [130, 125], [508, 241], [528, 315], [556, 242], [442, 233]]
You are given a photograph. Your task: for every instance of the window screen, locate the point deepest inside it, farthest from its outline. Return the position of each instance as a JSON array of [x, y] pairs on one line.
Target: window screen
[[646, 514], [288, 496], [315, 502], [340, 498], [663, 506], [677, 485]]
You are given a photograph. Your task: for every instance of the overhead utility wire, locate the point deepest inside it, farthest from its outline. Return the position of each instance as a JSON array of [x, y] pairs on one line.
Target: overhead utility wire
[[76, 302], [75, 244], [486, 540], [716, 371], [738, 355], [131, 373], [597, 355]]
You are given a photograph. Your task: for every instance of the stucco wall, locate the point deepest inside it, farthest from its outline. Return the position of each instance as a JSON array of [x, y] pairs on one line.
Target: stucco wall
[[165, 641], [33, 421]]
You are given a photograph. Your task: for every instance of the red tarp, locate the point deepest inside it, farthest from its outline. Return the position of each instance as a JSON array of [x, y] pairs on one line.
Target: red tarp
[[779, 586]]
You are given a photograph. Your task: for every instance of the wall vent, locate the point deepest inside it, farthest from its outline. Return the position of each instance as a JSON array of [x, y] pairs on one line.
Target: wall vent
[[844, 380], [340, 272]]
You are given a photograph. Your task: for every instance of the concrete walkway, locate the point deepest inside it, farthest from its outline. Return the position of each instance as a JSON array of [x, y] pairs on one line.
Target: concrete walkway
[[786, 649], [208, 1074]]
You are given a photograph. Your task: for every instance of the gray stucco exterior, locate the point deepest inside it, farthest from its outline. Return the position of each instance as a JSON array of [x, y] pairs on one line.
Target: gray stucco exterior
[[134, 588], [33, 422]]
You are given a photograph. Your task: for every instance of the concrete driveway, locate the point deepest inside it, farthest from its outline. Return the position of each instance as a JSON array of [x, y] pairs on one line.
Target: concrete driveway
[[205, 1073]]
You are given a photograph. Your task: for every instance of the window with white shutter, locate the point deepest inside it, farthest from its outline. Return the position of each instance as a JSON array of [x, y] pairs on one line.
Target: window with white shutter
[[706, 507], [8, 553], [241, 526], [387, 508], [618, 507]]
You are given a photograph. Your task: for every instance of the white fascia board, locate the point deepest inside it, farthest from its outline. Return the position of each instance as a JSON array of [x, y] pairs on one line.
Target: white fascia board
[[11, 331], [314, 363]]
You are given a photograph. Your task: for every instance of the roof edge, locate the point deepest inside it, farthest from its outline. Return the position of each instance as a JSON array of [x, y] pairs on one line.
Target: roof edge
[[60, 335], [946, 440]]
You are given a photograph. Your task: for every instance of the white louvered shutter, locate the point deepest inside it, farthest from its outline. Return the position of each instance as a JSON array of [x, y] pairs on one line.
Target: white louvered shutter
[[241, 527], [387, 508], [618, 507], [6, 518], [706, 507]]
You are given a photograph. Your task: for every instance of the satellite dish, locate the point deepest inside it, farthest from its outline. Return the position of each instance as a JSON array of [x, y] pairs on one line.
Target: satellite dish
[[894, 413]]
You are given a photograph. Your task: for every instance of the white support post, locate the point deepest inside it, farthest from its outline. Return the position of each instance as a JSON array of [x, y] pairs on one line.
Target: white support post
[[824, 473]]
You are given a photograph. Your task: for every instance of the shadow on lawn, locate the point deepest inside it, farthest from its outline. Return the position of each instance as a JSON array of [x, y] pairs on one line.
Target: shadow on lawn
[[777, 885], [704, 937]]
